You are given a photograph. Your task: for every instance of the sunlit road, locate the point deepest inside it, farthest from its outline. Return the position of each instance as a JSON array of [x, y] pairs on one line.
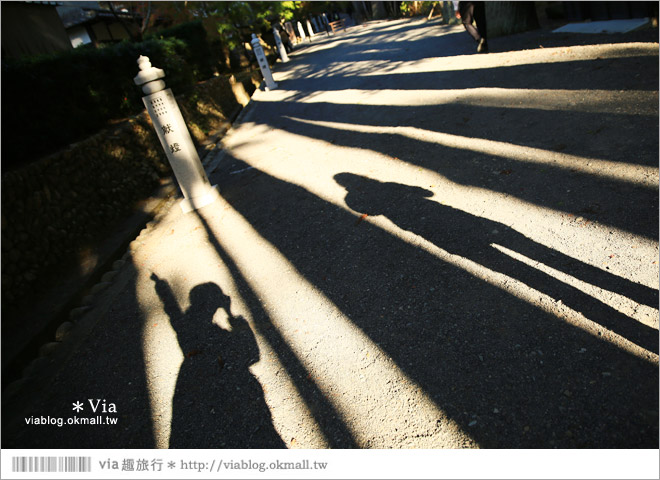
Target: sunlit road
[[416, 247]]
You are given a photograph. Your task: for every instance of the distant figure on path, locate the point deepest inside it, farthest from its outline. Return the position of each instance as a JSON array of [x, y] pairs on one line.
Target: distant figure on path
[[469, 11], [284, 35]]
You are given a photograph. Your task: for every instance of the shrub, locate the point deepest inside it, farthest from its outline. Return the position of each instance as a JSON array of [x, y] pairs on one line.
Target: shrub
[[54, 100], [198, 53]]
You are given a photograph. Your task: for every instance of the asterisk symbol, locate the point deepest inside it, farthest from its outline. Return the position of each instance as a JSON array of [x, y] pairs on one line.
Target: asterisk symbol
[[171, 465], [78, 406]]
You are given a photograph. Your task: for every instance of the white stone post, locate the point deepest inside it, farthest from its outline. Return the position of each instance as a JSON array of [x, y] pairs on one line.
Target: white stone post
[[322, 26], [315, 25], [280, 46], [263, 63], [175, 138], [301, 32], [310, 30]]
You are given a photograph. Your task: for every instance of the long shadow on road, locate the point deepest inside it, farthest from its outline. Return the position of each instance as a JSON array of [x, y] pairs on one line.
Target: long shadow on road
[[601, 74], [609, 201], [217, 402], [472, 237], [625, 133], [602, 135], [510, 374], [334, 431]]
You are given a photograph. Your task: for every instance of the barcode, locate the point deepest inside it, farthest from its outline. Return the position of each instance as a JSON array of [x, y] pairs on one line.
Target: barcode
[[51, 464]]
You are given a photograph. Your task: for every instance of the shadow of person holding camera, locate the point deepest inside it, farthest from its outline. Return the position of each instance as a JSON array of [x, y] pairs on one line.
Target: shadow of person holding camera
[[217, 402]]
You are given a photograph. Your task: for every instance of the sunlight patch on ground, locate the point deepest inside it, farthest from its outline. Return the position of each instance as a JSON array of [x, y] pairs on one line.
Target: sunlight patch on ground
[[162, 354], [312, 163], [636, 102], [305, 166], [352, 371], [642, 313], [634, 174], [506, 283], [476, 62], [523, 57], [397, 31], [162, 360]]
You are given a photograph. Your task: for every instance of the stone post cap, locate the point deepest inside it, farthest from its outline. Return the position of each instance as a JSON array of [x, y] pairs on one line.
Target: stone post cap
[[147, 72], [255, 40]]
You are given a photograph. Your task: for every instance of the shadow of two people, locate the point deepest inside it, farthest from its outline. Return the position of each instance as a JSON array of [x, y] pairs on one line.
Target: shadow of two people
[[472, 237], [217, 402]]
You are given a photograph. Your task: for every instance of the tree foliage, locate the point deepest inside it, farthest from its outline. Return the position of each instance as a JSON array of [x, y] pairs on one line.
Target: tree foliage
[[226, 20]]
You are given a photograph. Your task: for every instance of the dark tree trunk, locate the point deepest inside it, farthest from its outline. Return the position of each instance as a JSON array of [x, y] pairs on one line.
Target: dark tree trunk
[[505, 18]]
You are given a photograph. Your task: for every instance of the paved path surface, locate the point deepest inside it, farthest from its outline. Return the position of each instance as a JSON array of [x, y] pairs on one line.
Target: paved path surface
[[416, 247]]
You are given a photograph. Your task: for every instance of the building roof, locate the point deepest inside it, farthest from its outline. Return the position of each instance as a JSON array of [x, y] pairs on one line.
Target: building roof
[[77, 13]]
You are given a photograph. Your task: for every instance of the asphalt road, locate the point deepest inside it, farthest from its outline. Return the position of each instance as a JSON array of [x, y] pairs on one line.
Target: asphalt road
[[416, 247]]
